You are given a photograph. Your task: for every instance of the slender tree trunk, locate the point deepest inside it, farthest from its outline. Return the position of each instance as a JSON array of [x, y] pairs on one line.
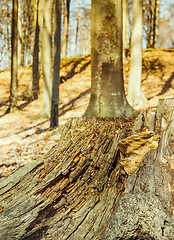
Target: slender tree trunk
[[14, 61], [107, 85], [101, 181], [152, 8], [135, 94], [19, 33], [147, 8], [40, 22], [8, 40], [23, 52], [77, 28], [156, 23], [47, 58], [30, 30], [65, 29], [152, 23], [125, 29], [34, 85], [4, 48], [56, 67]]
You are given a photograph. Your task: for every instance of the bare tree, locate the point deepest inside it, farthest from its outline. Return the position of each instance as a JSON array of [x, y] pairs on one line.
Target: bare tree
[[4, 47], [166, 27], [84, 38], [156, 23], [77, 27], [107, 85], [34, 84], [125, 29], [47, 57], [24, 28], [5, 33], [151, 22], [14, 61], [27, 32], [56, 66], [135, 94], [19, 33], [66, 8]]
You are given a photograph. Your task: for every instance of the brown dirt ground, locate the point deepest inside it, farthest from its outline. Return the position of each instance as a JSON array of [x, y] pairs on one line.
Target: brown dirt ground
[[24, 137]]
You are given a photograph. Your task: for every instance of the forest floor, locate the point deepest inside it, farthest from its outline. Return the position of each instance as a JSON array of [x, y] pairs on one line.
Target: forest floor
[[25, 137]]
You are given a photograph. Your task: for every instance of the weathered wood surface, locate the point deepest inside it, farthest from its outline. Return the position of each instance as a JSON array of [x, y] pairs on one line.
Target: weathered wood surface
[[73, 192], [146, 210]]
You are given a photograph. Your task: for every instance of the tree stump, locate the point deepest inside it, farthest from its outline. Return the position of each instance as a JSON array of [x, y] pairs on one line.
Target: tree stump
[[146, 210], [106, 179]]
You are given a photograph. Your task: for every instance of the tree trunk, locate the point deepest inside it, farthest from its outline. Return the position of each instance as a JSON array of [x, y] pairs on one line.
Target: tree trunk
[[135, 95], [47, 58], [8, 39], [77, 28], [146, 210], [99, 182], [156, 23], [107, 85], [65, 29], [152, 9], [24, 24], [56, 79], [19, 33], [14, 60], [40, 22], [4, 49], [34, 84], [125, 29]]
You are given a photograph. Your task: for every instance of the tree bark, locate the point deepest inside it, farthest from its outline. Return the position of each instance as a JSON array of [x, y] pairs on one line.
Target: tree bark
[[146, 210], [156, 23], [19, 33], [56, 67], [24, 24], [47, 58], [77, 28], [152, 9], [107, 85], [65, 28], [4, 48], [99, 182], [125, 30], [135, 95], [34, 84], [14, 55]]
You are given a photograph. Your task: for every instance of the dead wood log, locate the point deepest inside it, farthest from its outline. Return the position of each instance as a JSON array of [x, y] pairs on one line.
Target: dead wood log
[[65, 195], [146, 210], [75, 189]]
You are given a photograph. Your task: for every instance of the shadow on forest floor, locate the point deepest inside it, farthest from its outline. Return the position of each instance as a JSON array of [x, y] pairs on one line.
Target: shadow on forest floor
[[69, 68], [25, 138], [74, 67], [4, 103], [19, 107], [37, 132], [167, 85], [69, 106], [150, 67]]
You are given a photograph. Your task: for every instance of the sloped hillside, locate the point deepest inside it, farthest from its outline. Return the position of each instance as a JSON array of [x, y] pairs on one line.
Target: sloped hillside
[[24, 137]]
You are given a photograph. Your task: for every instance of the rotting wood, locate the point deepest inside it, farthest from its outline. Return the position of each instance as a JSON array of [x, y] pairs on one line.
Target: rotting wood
[[69, 188], [146, 209], [74, 190]]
